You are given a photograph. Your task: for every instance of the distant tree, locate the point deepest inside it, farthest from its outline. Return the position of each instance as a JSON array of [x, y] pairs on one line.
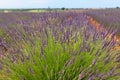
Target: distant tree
[[62, 8], [49, 9], [117, 7], [66, 8]]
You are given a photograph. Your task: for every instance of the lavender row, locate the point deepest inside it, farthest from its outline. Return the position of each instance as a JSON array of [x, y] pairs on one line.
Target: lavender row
[[106, 17]]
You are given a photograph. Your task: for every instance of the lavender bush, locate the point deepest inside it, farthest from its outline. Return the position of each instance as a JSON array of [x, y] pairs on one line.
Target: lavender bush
[[55, 46]]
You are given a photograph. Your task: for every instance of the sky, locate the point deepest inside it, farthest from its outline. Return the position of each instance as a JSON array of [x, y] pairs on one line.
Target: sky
[[59, 3]]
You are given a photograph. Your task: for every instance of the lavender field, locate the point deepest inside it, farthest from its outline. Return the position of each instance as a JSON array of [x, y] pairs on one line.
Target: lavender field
[[58, 45], [107, 17]]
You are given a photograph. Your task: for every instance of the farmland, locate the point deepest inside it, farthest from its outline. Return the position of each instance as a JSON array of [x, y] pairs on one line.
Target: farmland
[[59, 45]]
